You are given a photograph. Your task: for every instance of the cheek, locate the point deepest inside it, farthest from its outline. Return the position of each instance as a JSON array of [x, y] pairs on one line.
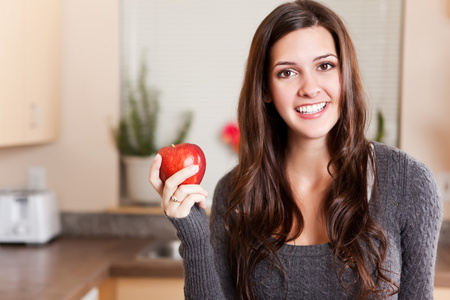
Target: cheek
[[339, 88], [338, 101], [335, 87], [278, 94], [335, 93]]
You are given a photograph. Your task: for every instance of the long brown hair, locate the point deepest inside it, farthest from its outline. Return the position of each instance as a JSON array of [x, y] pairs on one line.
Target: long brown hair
[[262, 214]]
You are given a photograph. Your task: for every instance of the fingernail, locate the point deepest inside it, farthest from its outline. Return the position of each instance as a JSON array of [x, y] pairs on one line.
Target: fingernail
[[157, 157], [194, 168]]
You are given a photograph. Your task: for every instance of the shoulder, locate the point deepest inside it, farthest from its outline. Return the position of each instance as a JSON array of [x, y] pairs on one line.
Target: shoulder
[[388, 153], [221, 192], [390, 159], [224, 184], [410, 179]]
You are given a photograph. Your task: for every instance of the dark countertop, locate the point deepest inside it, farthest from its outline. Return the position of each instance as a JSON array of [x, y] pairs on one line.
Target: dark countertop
[[68, 267]]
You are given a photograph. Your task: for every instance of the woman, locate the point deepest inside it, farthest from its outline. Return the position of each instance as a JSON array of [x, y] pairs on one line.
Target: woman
[[313, 210]]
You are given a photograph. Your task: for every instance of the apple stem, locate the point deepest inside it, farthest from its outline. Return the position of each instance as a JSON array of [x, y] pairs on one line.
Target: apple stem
[[173, 145]]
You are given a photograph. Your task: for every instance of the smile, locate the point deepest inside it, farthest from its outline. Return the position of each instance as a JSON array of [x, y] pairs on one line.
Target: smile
[[311, 109]]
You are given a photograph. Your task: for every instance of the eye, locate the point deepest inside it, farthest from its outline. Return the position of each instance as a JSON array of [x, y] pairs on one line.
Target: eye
[[285, 73], [326, 66]]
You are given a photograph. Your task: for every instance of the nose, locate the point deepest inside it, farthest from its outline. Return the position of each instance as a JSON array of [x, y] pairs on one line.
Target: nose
[[309, 87]]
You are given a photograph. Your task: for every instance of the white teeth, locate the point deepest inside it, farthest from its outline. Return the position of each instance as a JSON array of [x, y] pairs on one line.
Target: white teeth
[[311, 109]]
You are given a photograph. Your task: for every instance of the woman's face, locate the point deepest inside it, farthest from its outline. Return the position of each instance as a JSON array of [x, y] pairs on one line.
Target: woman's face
[[304, 82]]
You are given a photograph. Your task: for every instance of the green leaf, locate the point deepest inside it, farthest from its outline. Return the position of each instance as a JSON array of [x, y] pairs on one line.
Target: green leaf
[[184, 129], [380, 128], [136, 133]]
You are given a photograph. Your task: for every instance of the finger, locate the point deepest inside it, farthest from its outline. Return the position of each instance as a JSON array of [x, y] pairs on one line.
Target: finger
[[153, 176], [180, 176], [185, 189], [170, 206], [202, 203], [182, 192], [181, 210], [176, 180]]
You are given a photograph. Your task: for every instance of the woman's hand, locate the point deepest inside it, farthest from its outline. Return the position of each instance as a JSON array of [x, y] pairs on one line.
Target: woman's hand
[[177, 199]]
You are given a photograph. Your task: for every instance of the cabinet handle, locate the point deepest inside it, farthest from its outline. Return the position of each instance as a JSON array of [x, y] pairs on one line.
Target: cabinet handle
[[36, 115]]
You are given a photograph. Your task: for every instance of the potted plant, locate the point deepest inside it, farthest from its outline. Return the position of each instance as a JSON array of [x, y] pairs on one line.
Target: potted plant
[[135, 138], [380, 127]]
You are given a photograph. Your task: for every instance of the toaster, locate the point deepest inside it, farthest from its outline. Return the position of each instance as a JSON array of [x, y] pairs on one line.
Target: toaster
[[28, 216]]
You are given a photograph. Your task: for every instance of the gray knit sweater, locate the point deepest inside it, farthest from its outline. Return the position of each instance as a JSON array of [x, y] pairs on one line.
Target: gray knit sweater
[[409, 211]]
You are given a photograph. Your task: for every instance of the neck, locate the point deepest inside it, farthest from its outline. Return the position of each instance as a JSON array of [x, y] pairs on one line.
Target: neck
[[308, 158], [306, 166]]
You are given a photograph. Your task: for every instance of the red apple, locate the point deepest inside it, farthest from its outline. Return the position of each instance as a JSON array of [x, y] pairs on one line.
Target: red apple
[[177, 157]]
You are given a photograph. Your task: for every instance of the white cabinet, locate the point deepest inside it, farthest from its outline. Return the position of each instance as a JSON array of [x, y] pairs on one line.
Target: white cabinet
[[30, 60], [91, 295]]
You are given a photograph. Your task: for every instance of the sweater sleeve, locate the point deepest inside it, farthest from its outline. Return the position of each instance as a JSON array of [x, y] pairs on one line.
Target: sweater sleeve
[[219, 236], [421, 217], [205, 271]]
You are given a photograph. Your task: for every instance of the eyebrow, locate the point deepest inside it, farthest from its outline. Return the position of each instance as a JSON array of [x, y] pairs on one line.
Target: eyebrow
[[291, 63], [324, 56]]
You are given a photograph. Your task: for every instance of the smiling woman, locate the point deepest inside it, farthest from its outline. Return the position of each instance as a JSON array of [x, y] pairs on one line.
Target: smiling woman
[[313, 209], [196, 52], [296, 70]]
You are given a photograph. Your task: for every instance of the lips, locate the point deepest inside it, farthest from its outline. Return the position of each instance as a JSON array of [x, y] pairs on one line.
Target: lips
[[311, 109]]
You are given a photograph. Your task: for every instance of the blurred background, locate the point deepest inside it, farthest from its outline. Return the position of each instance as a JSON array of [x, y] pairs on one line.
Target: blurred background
[[70, 71], [196, 53]]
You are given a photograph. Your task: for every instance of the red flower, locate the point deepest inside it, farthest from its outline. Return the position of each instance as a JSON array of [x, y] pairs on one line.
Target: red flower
[[231, 135]]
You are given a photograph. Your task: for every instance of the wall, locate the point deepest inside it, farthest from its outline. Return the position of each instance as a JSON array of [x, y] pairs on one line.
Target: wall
[[82, 166], [425, 123]]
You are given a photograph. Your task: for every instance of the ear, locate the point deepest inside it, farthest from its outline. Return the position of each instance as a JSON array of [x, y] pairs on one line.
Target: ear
[[267, 97]]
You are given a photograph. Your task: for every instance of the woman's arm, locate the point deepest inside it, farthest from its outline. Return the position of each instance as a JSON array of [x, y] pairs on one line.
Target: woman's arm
[[219, 236], [421, 221], [184, 206], [201, 279], [204, 250]]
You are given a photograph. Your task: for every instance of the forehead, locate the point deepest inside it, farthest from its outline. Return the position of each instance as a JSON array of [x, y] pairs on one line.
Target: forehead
[[303, 44]]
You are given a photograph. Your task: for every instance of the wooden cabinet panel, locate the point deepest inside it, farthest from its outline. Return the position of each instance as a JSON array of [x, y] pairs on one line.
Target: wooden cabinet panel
[[171, 289], [42, 80], [30, 35], [12, 30], [121, 288], [441, 293], [107, 289], [150, 288]]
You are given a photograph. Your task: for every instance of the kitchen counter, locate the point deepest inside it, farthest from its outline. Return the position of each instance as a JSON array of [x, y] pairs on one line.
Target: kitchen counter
[[67, 268], [442, 272]]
